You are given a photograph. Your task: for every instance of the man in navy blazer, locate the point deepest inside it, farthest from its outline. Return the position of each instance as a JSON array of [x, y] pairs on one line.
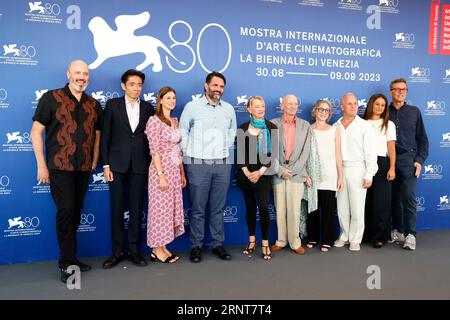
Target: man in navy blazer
[[126, 158]]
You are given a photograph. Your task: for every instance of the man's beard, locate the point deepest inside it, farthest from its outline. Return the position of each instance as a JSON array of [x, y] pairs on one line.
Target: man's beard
[[78, 87], [214, 96]]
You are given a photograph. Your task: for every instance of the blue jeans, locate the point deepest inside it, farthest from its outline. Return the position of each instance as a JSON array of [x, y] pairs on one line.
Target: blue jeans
[[404, 194], [208, 184]]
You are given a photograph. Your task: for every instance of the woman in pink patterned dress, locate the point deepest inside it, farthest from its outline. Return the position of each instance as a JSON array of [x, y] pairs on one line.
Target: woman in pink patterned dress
[[166, 178]]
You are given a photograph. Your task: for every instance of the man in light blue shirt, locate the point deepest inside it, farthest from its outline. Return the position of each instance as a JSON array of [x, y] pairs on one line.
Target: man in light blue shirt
[[208, 129]]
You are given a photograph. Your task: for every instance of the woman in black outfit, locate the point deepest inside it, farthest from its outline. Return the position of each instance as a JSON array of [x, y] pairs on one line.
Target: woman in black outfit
[[254, 171], [378, 197]]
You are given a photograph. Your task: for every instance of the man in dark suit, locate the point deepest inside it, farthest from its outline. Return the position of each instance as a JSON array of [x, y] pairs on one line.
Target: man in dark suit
[[126, 158]]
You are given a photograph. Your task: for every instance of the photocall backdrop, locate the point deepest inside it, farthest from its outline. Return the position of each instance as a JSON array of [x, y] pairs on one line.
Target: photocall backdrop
[[312, 48]]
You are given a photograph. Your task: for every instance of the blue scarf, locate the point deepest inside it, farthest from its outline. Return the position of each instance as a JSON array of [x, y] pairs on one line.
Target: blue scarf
[[264, 135]]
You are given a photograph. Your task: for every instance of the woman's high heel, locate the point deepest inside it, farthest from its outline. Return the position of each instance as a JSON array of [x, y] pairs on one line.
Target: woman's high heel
[[266, 254], [155, 258], [250, 248]]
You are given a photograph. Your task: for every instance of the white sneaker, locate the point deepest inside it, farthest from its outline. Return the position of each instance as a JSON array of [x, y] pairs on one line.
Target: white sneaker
[[354, 246], [410, 242], [339, 243], [397, 237]]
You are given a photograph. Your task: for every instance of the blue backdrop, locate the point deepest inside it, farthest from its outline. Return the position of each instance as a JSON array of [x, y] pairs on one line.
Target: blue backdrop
[[312, 48]]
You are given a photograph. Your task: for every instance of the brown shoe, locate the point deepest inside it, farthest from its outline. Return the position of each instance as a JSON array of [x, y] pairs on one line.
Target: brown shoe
[[300, 250], [276, 248]]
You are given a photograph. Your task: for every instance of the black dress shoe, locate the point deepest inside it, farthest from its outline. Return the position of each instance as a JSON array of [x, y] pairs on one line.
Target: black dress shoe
[[378, 244], [221, 253], [138, 260], [196, 255], [113, 261], [83, 266]]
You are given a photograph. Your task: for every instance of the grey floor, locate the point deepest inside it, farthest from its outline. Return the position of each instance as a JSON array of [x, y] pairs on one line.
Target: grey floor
[[338, 274]]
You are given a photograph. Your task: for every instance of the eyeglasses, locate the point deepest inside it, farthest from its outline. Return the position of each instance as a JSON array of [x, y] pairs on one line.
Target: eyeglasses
[[323, 110], [399, 89]]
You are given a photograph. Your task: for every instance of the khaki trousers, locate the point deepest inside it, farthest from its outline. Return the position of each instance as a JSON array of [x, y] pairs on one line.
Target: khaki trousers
[[288, 196]]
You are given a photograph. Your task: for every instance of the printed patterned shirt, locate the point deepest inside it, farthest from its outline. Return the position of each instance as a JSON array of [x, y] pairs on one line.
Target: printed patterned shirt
[[70, 127]]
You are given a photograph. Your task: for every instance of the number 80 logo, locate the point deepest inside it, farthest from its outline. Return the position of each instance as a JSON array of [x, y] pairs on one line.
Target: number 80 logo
[[196, 54], [420, 201], [87, 219], [31, 222], [27, 51], [230, 211]]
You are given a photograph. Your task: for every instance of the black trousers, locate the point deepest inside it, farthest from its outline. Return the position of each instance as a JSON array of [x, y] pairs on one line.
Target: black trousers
[[263, 208], [68, 189], [126, 186], [322, 222], [377, 218]]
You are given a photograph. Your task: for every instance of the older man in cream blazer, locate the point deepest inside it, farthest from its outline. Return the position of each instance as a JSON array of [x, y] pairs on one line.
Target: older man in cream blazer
[[288, 183]]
